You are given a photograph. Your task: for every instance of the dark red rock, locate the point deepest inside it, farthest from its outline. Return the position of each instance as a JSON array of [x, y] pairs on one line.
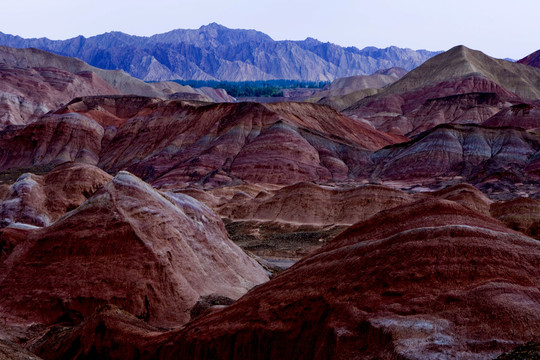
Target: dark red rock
[[152, 254], [426, 280], [29, 93], [526, 116], [41, 200], [173, 143], [457, 150], [52, 140], [521, 214]]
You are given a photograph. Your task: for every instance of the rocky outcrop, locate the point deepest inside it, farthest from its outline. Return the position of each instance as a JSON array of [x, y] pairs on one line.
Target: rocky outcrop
[[214, 52], [65, 78], [51, 140], [26, 94], [173, 143], [41, 200], [521, 214], [420, 281], [11, 351], [109, 333], [474, 152], [311, 204], [458, 86], [526, 116], [152, 254]]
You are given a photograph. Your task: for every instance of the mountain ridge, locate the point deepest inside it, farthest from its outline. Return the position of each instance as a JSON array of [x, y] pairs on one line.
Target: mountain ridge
[[214, 52]]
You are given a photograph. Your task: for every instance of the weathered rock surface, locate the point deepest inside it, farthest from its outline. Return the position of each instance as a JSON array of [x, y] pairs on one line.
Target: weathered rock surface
[[472, 151], [109, 333], [149, 253], [26, 94], [11, 351], [458, 86], [61, 72], [521, 214], [528, 351], [41, 200], [174, 143], [51, 140], [526, 116], [311, 204], [426, 280]]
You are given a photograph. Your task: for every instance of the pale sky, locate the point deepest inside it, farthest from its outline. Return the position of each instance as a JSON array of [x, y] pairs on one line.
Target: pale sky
[[496, 27]]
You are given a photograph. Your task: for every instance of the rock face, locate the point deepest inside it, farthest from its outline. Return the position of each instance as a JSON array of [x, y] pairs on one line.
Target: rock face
[[525, 116], [311, 204], [429, 279], [521, 214], [64, 78], [26, 94], [41, 200], [52, 140], [109, 333], [11, 351], [173, 143], [458, 86], [152, 254], [215, 52], [458, 150]]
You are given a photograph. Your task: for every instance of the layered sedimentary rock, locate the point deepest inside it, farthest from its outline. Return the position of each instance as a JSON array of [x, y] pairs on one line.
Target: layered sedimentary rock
[[472, 151], [430, 279], [41, 200], [51, 140], [308, 203], [26, 94], [149, 253], [50, 73], [526, 116], [521, 214], [174, 143], [458, 86], [109, 333]]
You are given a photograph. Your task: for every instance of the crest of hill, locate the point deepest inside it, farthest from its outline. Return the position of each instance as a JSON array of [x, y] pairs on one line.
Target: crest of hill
[[532, 59], [461, 62], [123, 82]]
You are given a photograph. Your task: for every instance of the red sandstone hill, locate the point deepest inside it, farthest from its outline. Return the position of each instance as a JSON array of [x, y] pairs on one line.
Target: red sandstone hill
[[176, 142], [26, 94], [173, 143], [472, 151], [51, 140], [41, 200], [430, 279], [119, 80], [522, 115], [458, 86], [153, 254]]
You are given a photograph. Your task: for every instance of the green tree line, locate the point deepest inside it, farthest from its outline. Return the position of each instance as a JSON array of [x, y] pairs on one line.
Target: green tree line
[[260, 88]]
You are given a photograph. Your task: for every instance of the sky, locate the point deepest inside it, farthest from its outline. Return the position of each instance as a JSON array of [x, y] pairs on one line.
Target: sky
[[503, 29]]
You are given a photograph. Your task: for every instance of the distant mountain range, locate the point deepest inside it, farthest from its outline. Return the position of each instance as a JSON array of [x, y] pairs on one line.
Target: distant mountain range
[[214, 52]]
